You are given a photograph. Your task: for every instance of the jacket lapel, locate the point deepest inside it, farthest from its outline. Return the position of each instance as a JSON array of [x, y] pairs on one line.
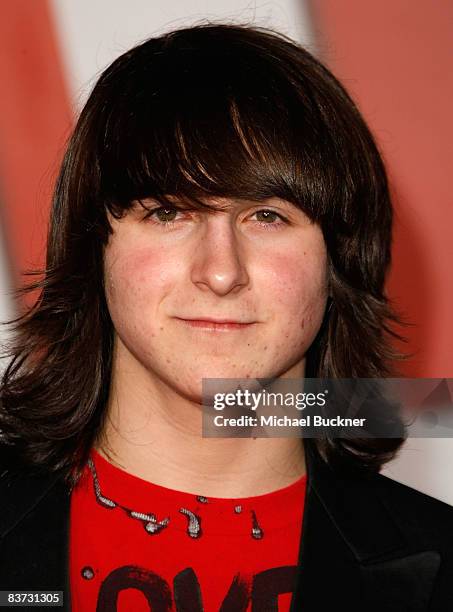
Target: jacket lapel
[[354, 552]]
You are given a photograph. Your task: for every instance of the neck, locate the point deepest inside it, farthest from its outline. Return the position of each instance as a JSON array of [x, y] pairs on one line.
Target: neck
[[154, 433]]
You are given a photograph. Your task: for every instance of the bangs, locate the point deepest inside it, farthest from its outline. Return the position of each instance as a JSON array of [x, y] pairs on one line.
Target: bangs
[[195, 124]]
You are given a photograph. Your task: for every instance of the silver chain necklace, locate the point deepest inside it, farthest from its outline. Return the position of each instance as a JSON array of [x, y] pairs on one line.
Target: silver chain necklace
[[153, 526]]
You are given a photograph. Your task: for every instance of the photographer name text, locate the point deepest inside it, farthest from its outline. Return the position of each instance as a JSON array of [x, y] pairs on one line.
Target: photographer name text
[[285, 421]]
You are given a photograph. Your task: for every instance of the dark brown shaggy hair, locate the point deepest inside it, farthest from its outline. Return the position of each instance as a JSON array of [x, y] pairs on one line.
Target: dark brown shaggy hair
[[210, 110]]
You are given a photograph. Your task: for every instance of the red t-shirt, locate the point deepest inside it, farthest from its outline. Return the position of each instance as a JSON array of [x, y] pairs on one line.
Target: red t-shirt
[[179, 551]]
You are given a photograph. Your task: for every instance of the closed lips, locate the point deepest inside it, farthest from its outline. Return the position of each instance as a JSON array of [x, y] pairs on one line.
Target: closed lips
[[219, 322]]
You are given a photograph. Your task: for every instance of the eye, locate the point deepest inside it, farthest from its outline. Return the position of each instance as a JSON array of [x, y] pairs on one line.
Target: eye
[[161, 214], [165, 216], [269, 216]]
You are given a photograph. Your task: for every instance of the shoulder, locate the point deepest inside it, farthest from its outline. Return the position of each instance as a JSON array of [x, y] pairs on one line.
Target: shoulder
[[418, 511], [397, 492], [21, 489], [354, 486], [362, 501]]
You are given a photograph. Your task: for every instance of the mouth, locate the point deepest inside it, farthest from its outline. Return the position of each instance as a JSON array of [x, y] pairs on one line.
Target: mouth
[[216, 324]]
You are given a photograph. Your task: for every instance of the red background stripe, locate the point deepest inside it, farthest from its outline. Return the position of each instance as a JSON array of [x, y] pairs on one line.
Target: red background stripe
[[35, 118], [396, 58]]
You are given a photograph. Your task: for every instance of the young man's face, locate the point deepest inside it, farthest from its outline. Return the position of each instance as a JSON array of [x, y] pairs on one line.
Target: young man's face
[[241, 265]]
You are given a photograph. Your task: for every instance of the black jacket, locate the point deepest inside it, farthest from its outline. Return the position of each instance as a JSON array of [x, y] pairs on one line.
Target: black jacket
[[368, 543]]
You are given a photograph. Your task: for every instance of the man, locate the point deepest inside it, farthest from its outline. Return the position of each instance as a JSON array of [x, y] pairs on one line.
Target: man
[[222, 211]]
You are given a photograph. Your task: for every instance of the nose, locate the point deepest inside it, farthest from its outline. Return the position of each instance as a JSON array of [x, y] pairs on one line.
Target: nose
[[219, 262]]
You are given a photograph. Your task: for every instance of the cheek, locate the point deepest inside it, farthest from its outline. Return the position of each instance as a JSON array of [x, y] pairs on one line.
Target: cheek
[[298, 289], [135, 279]]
